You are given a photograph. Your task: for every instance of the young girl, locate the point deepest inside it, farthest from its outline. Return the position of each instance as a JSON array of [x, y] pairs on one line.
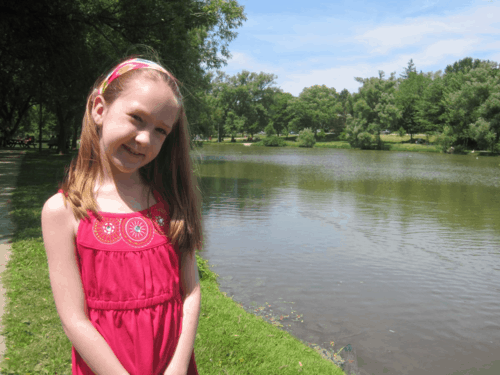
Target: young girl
[[123, 271]]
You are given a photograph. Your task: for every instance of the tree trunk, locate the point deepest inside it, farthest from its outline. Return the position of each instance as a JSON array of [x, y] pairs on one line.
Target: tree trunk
[[61, 141]]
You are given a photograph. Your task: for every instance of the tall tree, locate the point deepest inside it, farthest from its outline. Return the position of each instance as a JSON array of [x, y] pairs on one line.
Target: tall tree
[[408, 70], [408, 95], [280, 111]]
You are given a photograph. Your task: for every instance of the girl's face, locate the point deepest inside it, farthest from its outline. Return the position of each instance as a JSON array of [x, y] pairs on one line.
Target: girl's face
[[135, 125]]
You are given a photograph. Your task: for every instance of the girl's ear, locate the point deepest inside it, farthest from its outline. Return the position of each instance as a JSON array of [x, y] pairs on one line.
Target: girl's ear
[[98, 109]]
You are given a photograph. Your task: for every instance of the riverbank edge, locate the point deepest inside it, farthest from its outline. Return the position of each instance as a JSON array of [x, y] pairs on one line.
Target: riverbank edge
[[388, 145], [335, 145], [229, 339]]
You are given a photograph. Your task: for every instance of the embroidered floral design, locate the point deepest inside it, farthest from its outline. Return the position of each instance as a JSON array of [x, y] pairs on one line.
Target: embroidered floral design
[[107, 231], [159, 218], [137, 231]]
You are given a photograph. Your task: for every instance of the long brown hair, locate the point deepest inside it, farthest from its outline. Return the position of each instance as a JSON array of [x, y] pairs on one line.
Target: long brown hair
[[170, 173]]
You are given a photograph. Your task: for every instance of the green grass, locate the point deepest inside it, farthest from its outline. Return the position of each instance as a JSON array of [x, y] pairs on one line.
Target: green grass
[[392, 142], [229, 339]]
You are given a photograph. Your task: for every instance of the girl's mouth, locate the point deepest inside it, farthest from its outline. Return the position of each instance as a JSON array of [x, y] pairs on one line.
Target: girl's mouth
[[129, 150]]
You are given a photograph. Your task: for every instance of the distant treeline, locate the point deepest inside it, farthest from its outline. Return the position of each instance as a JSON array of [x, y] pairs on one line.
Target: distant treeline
[[461, 105]]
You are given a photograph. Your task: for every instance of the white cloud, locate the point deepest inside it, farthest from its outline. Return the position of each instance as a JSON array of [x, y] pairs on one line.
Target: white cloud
[[385, 38], [322, 50]]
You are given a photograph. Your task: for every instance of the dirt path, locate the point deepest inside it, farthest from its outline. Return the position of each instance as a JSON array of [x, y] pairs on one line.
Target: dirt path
[[10, 163]]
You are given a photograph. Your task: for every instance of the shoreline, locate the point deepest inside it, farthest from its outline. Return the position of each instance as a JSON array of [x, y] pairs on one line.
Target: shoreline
[[388, 145]]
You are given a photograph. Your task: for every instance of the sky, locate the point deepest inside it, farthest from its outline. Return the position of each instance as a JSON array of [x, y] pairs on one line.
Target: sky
[[312, 42]]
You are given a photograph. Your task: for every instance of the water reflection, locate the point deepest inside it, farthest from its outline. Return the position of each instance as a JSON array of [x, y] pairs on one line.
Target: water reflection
[[396, 253]]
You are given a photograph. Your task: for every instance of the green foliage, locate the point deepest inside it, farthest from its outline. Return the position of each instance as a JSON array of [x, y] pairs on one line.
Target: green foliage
[[269, 130], [447, 139], [81, 39], [431, 107], [280, 111], [472, 94], [234, 124], [306, 138], [321, 135], [374, 109], [401, 132], [408, 95], [365, 140], [316, 107], [248, 95], [482, 133], [409, 70], [496, 148], [274, 141]]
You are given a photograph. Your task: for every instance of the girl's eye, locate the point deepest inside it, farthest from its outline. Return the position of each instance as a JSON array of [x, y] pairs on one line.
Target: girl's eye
[[162, 131], [137, 118]]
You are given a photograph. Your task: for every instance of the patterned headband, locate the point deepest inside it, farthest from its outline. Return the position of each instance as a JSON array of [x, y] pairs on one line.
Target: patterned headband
[[134, 64]]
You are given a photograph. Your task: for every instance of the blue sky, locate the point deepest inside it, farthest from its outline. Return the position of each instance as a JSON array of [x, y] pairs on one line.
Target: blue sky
[[318, 42]]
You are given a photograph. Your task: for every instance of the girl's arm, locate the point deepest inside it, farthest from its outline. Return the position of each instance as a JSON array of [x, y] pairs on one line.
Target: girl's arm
[[191, 311], [58, 236]]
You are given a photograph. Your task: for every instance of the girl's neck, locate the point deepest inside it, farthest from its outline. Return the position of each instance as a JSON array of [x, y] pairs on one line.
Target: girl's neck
[[117, 198]]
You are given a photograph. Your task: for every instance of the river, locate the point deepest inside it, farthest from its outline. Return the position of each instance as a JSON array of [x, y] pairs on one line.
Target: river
[[395, 253]]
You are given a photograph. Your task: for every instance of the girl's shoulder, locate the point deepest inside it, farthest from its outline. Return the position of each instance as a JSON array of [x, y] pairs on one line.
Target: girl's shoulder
[[56, 210]]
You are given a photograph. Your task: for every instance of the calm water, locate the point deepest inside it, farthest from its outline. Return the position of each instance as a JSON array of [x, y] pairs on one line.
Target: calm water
[[397, 254]]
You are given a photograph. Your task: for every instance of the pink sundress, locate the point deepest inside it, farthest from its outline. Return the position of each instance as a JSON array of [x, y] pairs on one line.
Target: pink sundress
[[130, 276]]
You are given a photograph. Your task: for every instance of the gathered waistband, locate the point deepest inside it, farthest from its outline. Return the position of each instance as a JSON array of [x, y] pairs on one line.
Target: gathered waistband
[[133, 304]]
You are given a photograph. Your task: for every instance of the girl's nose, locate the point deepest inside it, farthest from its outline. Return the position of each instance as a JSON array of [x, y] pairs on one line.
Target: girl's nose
[[144, 137]]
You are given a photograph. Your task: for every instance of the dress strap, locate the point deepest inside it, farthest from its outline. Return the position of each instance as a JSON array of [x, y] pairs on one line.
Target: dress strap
[[61, 191]]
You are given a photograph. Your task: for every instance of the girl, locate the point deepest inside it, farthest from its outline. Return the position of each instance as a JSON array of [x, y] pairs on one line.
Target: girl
[[123, 272]]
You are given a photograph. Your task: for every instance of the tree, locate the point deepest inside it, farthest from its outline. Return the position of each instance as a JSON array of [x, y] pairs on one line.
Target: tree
[[234, 124], [408, 95], [316, 107], [408, 70], [374, 109], [248, 95], [431, 108], [280, 113], [464, 65], [468, 98], [486, 130]]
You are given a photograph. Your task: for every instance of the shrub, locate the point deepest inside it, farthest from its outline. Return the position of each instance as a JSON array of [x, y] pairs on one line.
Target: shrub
[[306, 138], [496, 148], [365, 140], [446, 139], [401, 132], [274, 141]]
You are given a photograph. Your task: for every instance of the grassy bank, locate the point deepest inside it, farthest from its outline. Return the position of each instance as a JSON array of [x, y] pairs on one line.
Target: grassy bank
[[229, 339], [391, 142]]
